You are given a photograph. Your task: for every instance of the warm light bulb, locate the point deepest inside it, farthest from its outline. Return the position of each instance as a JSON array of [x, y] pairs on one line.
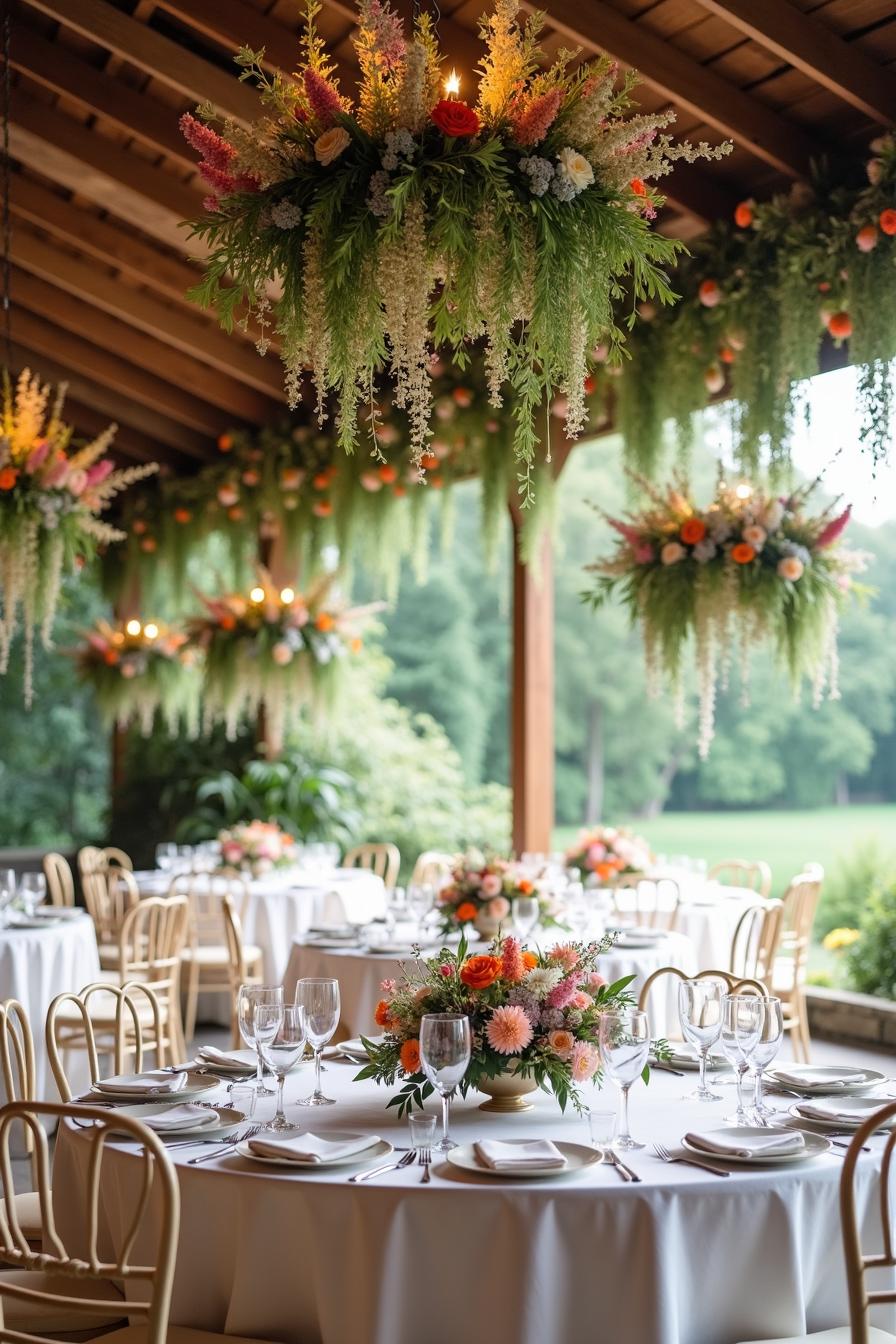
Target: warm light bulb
[[286, 594], [744, 490], [151, 631], [452, 85], [257, 594], [133, 627]]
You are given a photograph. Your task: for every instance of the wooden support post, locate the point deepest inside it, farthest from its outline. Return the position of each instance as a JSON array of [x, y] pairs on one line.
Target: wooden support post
[[532, 699]]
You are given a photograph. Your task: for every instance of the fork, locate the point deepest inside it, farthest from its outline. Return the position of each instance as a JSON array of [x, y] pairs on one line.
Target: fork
[[425, 1160], [838, 1143], [224, 1145], [665, 1156]]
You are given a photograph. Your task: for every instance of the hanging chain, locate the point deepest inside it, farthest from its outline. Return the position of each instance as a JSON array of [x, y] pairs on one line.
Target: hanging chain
[[7, 214]]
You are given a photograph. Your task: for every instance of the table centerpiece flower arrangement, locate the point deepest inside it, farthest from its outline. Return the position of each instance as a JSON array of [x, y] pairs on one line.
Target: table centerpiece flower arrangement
[[609, 852], [255, 848], [138, 669], [481, 891], [533, 1015], [750, 566], [51, 496]]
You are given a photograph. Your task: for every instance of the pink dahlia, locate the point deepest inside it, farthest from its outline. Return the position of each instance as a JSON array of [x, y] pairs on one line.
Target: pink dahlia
[[565, 955], [509, 1030], [585, 1061]]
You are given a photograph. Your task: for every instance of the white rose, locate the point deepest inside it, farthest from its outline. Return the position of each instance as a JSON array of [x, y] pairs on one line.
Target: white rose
[[671, 553], [575, 168], [330, 145]]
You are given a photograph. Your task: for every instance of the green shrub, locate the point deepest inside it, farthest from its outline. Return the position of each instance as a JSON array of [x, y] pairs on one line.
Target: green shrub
[[848, 886], [871, 962]]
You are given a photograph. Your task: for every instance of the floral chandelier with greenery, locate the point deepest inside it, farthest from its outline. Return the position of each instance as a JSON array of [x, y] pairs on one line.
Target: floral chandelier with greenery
[[371, 236], [140, 670]]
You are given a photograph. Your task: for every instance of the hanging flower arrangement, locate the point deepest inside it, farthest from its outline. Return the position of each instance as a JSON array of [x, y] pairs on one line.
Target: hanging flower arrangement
[[51, 496], [412, 222], [140, 671], [748, 567], [276, 652], [762, 294]]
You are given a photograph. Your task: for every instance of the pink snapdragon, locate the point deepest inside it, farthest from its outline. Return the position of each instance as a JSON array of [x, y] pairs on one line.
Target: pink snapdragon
[[99, 471], [513, 968], [834, 528], [562, 995], [216, 152]]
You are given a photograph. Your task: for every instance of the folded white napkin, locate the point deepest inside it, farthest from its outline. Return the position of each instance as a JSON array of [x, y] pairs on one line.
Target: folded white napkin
[[186, 1116], [831, 1110], [819, 1077], [154, 1081], [739, 1144], [519, 1156], [227, 1059], [312, 1149]]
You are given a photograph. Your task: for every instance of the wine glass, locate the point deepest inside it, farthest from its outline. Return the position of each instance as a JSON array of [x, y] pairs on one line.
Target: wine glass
[[420, 901], [7, 891], [281, 1050], [166, 856], [320, 999], [577, 914], [34, 891], [771, 1034], [396, 909], [700, 1012], [741, 1028], [248, 998], [624, 1046], [525, 910], [446, 1045]]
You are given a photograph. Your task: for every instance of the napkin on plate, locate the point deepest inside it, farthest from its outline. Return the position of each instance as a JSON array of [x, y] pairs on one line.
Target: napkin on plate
[[822, 1079], [854, 1115], [760, 1144], [186, 1116], [519, 1156], [209, 1054], [154, 1081], [312, 1149]]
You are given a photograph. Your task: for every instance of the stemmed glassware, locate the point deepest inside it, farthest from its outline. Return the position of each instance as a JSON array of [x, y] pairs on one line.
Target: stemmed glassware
[[741, 1028], [421, 900], [577, 914], [7, 892], [771, 1034], [700, 1011], [320, 999], [281, 1050], [526, 912], [166, 856], [34, 891], [446, 1045], [248, 999], [624, 1047]]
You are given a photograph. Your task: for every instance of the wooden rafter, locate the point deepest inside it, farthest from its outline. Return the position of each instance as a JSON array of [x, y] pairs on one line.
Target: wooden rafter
[[809, 45], [131, 443]]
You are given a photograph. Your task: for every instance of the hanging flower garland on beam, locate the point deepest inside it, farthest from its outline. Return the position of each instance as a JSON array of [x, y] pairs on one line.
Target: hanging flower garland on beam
[[51, 496], [748, 567], [761, 296], [140, 670], [414, 223]]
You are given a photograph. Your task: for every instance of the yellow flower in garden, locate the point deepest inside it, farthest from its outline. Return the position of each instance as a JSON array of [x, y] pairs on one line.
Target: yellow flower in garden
[[839, 939]]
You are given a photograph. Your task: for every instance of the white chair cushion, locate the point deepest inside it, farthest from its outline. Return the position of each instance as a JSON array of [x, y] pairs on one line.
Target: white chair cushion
[[177, 1334], [102, 1012], [108, 956], [45, 1317], [841, 1334], [28, 1213], [213, 955]]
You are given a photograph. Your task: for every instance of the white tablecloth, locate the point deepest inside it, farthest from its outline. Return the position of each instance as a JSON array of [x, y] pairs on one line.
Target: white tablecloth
[[707, 914], [38, 964], [684, 1258], [360, 973]]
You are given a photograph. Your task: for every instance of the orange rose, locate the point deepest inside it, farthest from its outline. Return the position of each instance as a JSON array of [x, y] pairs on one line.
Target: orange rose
[[324, 622], [638, 187], [321, 480], [410, 1057], [8, 478], [381, 1016], [182, 515], [225, 443], [692, 531], [743, 214], [480, 972], [840, 325], [530, 961], [887, 222], [387, 473], [429, 461], [742, 553], [525, 886], [466, 911]]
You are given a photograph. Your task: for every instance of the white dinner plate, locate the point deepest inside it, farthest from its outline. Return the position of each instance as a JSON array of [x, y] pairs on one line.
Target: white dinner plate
[[636, 941], [227, 1121], [815, 1145], [858, 1104], [391, 949], [816, 1076], [377, 1152], [27, 922], [334, 944], [577, 1155], [355, 1047], [196, 1084], [55, 914], [236, 1070], [682, 1058]]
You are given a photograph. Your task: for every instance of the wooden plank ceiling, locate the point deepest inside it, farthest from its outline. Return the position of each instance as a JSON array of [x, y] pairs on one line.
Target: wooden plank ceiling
[[101, 177]]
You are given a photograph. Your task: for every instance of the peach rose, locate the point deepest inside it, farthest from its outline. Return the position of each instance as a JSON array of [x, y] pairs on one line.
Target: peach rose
[[791, 567], [491, 885], [561, 1042], [331, 144], [499, 907]]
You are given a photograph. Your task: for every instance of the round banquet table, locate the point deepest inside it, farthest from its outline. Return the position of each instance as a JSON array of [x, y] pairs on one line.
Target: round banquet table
[[38, 964], [707, 914], [682, 1258], [360, 973]]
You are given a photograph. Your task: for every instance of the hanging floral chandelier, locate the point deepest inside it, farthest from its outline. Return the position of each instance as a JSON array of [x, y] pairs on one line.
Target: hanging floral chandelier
[[412, 222], [51, 496], [139, 670]]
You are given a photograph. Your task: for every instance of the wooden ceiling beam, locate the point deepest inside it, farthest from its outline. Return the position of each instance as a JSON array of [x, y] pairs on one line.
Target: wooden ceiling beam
[[597, 26], [810, 45], [222, 400], [128, 442], [157, 56], [190, 431], [190, 334], [69, 153]]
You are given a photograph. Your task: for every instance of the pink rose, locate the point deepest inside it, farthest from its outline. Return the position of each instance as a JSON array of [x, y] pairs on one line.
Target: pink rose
[[491, 885], [585, 1061], [232, 852], [595, 980], [499, 907], [596, 853], [446, 971], [581, 1000]]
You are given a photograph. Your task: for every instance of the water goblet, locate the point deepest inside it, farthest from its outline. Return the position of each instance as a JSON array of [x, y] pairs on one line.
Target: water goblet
[[624, 1047], [421, 900], [700, 1012], [7, 892], [248, 998], [741, 1027], [281, 1050], [33, 891], [320, 999], [525, 911], [166, 856], [446, 1045], [771, 1034], [577, 914]]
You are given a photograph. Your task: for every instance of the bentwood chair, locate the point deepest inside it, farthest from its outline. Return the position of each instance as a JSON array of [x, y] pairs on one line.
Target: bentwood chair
[[755, 942], [60, 880], [119, 1023], [19, 1084], [653, 901], [97, 1283], [432, 869], [91, 859], [861, 1298], [732, 984], [244, 964], [206, 958], [109, 895], [800, 902], [746, 873], [384, 860]]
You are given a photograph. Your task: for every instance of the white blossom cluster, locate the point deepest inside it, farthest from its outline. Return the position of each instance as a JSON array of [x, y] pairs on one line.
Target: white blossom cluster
[[286, 215], [377, 200], [400, 144], [539, 171]]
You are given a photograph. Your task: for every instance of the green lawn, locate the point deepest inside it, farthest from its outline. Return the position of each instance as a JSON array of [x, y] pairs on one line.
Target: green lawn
[[786, 840]]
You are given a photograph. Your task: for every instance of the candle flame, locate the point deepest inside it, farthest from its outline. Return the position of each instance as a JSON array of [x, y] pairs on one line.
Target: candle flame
[[452, 84]]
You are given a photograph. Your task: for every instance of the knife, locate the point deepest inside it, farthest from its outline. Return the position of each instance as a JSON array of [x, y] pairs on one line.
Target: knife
[[620, 1166]]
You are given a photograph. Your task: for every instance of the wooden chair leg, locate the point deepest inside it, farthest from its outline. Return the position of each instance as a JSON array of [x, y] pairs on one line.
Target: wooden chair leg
[[804, 1030], [192, 1000]]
